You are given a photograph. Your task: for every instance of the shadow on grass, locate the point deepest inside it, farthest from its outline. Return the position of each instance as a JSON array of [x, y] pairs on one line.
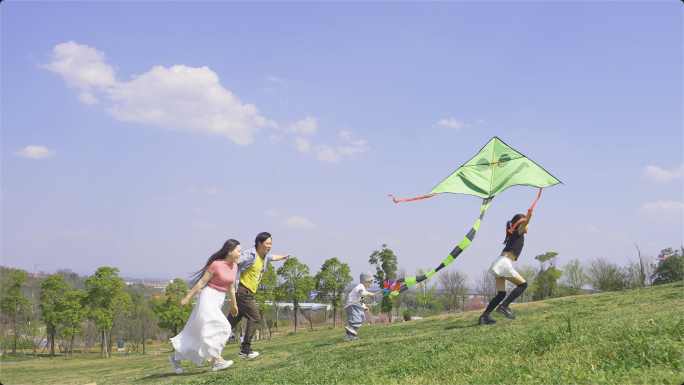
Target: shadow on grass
[[460, 326], [164, 375]]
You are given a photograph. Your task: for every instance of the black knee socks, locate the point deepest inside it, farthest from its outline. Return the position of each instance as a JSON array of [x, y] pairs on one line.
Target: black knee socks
[[514, 294], [494, 302]]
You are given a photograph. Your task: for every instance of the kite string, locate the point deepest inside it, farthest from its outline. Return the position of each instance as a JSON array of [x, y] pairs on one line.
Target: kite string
[[528, 213], [412, 199]]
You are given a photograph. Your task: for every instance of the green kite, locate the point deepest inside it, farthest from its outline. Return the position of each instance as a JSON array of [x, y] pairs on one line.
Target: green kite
[[494, 169]]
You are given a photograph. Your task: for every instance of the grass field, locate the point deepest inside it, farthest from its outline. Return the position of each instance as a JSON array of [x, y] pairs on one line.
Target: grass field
[[629, 337]]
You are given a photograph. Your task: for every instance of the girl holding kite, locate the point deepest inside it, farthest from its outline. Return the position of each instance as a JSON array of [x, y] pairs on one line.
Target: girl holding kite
[[502, 268], [207, 331]]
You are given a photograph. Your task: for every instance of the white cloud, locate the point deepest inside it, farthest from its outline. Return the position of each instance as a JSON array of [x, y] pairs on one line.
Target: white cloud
[[302, 145], [198, 209], [275, 138], [202, 225], [357, 146], [670, 211], [272, 213], [283, 101], [35, 152], [453, 123], [176, 98], [191, 190], [306, 126], [298, 222], [273, 79], [659, 175], [212, 190], [280, 170], [591, 228], [327, 154], [481, 121]]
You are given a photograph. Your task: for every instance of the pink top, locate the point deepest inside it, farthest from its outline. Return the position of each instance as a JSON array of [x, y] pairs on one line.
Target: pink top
[[224, 275]]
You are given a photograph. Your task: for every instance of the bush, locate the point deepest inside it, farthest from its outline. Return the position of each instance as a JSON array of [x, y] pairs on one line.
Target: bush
[[407, 314]]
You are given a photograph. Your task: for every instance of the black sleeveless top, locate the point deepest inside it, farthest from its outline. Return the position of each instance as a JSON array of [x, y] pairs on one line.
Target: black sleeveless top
[[515, 243]]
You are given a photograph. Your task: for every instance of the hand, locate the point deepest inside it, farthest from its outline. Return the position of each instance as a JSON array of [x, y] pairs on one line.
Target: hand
[[184, 302], [234, 311], [286, 256], [366, 310]]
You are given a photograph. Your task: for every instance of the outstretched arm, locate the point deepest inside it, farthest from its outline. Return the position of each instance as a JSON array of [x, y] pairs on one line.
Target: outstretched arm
[[202, 282], [279, 257], [523, 225]]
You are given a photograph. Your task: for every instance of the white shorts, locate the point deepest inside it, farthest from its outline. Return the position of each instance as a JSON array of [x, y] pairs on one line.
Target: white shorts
[[503, 267]]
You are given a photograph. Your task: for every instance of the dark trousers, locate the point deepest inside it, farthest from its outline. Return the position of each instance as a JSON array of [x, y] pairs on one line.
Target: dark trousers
[[246, 308]]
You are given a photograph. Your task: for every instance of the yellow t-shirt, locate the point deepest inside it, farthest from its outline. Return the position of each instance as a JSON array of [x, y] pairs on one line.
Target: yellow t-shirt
[[251, 277]]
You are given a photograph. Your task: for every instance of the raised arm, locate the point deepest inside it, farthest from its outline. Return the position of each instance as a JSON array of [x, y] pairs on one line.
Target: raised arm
[[200, 284], [523, 225], [279, 257]]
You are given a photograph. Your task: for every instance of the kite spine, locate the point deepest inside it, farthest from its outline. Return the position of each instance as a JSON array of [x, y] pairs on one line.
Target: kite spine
[[465, 242]]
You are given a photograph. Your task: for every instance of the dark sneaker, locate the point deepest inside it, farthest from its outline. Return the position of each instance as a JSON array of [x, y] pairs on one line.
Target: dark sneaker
[[350, 337], [175, 365], [247, 353], [505, 311], [485, 320]]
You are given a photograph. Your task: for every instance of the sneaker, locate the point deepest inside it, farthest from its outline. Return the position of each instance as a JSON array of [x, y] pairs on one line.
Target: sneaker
[[247, 353], [350, 337], [485, 320], [220, 365], [505, 310], [175, 365], [350, 330]]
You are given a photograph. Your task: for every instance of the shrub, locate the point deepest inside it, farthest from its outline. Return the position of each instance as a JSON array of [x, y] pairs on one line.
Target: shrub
[[407, 314]]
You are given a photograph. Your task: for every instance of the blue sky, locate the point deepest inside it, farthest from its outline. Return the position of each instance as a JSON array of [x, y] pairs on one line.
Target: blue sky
[[142, 135]]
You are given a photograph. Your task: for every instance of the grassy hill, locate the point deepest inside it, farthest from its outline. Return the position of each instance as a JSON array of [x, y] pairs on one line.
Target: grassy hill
[[629, 337]]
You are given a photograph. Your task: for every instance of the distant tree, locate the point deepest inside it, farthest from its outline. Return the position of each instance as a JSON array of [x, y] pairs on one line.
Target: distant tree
[[670, 269], [72, 310], [171, 316], [486, 285], [104, 290], [546, 281], [331, 280], [386, 269], [145, 325], [279, 296], [52, 290], [454, 284], [528, 272], [604, 275], [297, 282], [266, 293], [574, 277], [425, 296]]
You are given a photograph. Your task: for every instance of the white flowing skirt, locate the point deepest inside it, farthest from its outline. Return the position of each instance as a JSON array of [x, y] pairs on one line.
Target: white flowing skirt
[[503, 267], [207, 330]]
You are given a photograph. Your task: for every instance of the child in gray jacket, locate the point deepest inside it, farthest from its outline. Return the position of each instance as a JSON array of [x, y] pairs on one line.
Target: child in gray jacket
[[355, 307]]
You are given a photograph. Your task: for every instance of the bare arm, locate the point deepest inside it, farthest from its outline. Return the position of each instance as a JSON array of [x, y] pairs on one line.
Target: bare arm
[[200, 284], [279, 257], [233, 301], [523, 225]]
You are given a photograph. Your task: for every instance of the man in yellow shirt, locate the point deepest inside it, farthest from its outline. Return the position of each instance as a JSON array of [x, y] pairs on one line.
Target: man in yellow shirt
[[250, 270]]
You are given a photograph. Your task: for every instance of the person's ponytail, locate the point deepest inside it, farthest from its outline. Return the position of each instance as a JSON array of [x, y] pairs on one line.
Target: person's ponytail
[[510, 224]]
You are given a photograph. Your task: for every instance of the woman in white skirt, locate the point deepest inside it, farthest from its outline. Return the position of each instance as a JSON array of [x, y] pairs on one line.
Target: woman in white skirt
[[502, 268], [207, 330]]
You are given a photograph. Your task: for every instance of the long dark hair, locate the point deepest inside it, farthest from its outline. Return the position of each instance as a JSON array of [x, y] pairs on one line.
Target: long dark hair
[[229, 246], [510, 224]]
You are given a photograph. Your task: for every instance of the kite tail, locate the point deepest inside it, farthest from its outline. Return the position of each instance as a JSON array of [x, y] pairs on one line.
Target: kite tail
[[406, 283]]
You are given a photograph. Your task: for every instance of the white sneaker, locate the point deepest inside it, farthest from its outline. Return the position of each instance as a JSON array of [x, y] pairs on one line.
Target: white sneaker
[[247, 353], [175, 365], [220, 365], [350, 330]]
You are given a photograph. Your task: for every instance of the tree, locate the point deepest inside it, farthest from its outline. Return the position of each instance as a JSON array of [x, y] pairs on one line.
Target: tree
[[266, 293], [424, 295], [331, 280], [52, 289], [144, 325], [14, 303], [279, 296], [486, 285], [604, 275], [171, 315], [454, 284], [103, 290], [574, 277], [528, 272], [72, 310], [297, 282], [386, 268], [546, 281], [670, 269]]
